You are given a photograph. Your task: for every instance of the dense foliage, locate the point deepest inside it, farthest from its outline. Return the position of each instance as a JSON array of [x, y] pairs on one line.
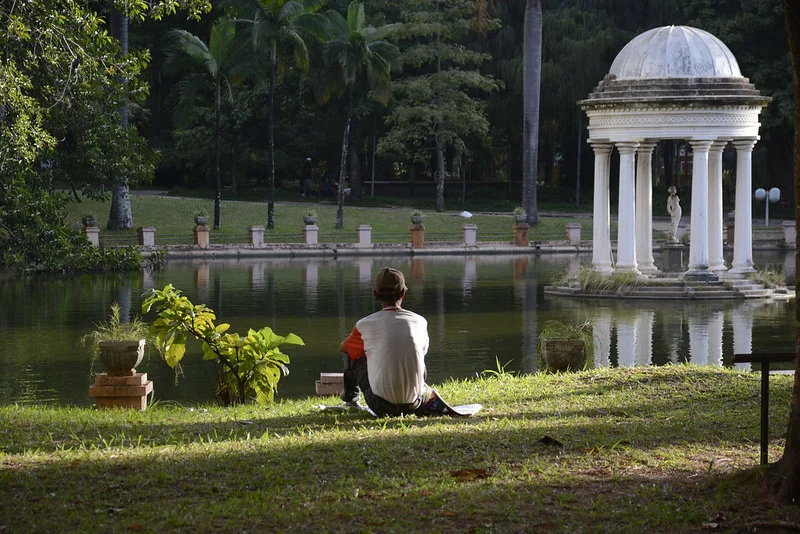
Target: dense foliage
[[454, 108], [249, 367]]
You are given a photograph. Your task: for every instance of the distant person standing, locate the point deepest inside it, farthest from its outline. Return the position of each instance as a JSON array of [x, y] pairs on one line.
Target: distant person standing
[[306, 183]]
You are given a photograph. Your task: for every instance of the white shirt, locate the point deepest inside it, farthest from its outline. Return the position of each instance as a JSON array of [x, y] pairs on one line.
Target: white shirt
[[395, 342]]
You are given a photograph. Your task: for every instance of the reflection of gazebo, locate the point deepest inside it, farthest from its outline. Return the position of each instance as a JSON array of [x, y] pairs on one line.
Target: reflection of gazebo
[[673, 82]]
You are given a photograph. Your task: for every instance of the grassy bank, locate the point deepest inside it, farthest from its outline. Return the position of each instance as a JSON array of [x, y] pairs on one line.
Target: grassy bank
[[175, 216], [620, 450]]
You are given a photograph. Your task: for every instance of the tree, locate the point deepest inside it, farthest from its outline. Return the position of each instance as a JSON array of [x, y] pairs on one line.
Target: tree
[[355, 54], [439, 102], [785, 473], [214, 65], [532, 79], [274, 21]]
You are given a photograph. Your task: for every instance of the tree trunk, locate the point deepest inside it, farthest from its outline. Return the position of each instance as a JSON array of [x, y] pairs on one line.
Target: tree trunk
[[440, 165], [217, 177], [784, 475], [343, 164], [120, 216], [271, 185], [355, 174], [532, 80]]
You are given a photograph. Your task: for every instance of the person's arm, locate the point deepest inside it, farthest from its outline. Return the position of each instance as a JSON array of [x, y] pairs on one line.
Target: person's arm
[[353, 345]]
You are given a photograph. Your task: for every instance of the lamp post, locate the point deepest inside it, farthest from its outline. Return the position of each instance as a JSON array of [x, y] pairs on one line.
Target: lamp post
[[773, 196]]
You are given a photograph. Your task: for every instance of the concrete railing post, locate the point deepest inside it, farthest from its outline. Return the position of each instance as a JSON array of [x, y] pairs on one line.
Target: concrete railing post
[[470, 233], [417, 234], [574, 233], [311, 234], [789, 232], [521, 234], [147, 236], [92, 233], [201, 236], [256, 236], [364, 236]]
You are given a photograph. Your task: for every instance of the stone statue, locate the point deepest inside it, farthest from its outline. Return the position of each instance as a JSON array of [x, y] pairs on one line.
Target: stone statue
[[674, 210]]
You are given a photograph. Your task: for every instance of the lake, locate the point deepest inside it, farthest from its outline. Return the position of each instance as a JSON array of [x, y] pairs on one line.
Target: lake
[[481, 311]]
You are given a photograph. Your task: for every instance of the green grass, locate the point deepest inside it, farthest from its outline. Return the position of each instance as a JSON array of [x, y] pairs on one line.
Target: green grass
[[174, 216], [634, 450]]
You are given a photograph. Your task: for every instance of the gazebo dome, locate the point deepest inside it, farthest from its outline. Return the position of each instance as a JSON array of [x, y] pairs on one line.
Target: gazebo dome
[[674, 65], [675, 52]]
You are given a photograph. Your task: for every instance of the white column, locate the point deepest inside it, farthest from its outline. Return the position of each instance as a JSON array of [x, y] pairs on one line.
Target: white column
[[626, 340], [626, 217], [698, 338], [743, 229], [601, 330], [742, 326], [698, 245], [644, 336], [716, 260], [716, 325], [601, 224], [644, 208]]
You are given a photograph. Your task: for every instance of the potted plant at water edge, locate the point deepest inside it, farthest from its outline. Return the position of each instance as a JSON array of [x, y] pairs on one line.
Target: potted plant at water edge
[[119, 346], [566, 347], [310, 216], [416, 217], [519, 215]]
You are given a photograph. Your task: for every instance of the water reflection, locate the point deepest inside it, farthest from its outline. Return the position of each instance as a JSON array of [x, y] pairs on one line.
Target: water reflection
[[481, 310]]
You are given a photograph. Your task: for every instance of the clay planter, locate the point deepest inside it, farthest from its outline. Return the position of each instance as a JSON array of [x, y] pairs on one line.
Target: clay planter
[[561, 354], [121, 357]]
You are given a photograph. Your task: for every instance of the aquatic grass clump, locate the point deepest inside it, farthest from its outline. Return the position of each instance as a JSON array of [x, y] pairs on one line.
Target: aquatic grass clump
[[616, 283], [770, 277]]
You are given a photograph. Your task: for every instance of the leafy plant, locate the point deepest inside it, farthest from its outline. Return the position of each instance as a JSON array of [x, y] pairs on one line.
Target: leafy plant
[[519, 212], [249, 367], [115, 330], [311, 212], [499, 371]]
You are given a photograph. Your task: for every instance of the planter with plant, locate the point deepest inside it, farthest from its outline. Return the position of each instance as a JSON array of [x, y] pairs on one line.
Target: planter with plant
[[249, 367], [201, 218], [89, 220], [519, 215], [310, 217], [416, 217], [566, 347], [119, 346]]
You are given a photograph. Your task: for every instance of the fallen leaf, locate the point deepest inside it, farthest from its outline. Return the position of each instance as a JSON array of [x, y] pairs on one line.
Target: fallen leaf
[[449, 513], [134, 527], [547, 440], [468, 475]]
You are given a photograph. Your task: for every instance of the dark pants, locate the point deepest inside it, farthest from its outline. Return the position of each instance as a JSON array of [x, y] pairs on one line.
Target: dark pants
[[356, 381]]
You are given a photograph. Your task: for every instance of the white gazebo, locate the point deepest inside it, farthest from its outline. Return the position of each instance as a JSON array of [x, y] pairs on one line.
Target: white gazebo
[[673, 82]]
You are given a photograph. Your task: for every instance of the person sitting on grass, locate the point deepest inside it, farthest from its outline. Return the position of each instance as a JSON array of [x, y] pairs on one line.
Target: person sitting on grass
[[385, 355]]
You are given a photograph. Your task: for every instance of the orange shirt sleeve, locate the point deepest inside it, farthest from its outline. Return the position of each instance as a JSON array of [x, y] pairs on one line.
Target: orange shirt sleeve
[[354, 345]]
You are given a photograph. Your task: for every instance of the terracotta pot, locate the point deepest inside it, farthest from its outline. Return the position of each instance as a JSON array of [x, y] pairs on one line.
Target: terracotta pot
[[561, 354], [121, 357]]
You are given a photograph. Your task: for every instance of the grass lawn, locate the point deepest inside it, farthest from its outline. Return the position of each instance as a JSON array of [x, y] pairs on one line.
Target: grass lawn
[[612, 450], [174, 216]]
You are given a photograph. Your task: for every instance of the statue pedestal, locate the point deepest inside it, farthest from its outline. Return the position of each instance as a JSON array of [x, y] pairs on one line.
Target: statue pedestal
[[673, 258]]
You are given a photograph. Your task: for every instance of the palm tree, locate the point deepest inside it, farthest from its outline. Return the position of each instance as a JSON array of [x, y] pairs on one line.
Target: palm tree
[[213, 65], [532, 76], [357, 53], [274, 21]]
